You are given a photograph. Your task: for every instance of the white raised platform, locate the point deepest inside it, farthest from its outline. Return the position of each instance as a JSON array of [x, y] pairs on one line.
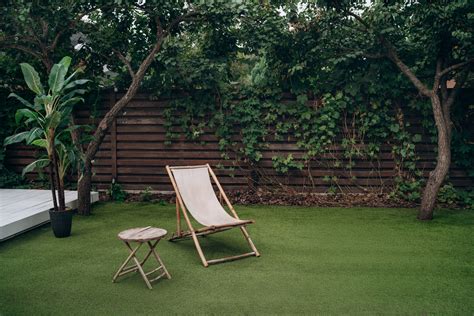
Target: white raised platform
[[21, 210]]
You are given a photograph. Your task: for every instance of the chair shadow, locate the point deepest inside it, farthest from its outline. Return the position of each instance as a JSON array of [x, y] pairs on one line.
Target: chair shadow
[[216, 245]]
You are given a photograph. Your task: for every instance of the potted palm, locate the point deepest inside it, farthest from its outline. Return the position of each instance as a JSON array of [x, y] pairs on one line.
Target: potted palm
[[48, 119]]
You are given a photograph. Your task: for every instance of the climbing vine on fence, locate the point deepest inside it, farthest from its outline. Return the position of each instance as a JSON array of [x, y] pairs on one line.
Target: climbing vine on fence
[[332, 126]]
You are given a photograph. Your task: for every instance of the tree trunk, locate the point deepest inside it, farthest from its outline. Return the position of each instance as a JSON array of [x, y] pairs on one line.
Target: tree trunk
[[84, 184], [438, 175], [53, 190], [76, 140], [59, 187]]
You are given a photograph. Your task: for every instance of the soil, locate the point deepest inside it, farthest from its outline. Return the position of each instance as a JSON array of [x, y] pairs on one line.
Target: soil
[[264, 197]]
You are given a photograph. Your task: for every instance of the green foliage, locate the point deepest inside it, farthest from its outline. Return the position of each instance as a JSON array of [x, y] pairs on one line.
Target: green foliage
[[463, 135], [115, 192], [283, 165], [48, 117], [146, 195], [47, 120], [408, 190], [8, 178], [451, 196]]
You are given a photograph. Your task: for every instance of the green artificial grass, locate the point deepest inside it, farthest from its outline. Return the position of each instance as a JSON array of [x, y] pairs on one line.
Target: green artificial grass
[[314, 261]]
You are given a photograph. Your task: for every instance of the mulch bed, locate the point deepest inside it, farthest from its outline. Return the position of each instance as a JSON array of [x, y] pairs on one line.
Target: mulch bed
[[266, 197], [316, 199]]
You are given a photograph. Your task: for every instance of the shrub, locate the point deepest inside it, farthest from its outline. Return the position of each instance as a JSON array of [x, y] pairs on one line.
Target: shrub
[[449, 195], [116, 193], [407, 190], [146, 195]]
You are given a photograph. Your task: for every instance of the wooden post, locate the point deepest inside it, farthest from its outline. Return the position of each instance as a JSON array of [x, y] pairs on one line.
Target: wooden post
[[113, 140]]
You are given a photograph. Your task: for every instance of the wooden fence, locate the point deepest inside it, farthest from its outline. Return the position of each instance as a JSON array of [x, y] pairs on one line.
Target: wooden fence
[[135, 154]]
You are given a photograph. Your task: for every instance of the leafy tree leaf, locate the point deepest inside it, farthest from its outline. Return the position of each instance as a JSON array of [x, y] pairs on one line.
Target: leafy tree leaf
[[32, 78], [37, 164], [17, 138]]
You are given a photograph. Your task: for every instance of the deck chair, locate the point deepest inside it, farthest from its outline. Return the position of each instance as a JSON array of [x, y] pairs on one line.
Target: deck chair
[[195, 194]]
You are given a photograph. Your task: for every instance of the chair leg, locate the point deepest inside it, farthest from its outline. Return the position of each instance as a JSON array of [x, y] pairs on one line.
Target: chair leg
[[249, 240], [194, 235], [245, 255], [178, 219], [199, 250]]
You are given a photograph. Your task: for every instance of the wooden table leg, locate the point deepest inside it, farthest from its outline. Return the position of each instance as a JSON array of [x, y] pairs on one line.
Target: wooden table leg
[[132, 254], [139, 265], [140, 269], [157, 257], [149, 251]]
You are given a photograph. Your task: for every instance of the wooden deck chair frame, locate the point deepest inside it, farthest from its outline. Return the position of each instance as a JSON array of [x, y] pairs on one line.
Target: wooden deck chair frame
[[194, 233]]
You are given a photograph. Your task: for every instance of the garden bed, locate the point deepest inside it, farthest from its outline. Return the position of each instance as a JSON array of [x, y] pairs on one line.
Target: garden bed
[[271, 197]]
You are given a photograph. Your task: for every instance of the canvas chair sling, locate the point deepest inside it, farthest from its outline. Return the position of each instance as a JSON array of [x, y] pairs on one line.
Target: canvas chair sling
[[195, 196]]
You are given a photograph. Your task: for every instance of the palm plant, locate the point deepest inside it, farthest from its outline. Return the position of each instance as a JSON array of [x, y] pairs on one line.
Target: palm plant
[[48, 119]]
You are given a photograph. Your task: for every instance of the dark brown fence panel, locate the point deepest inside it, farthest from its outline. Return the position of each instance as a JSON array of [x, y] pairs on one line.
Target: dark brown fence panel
[[135, 153]]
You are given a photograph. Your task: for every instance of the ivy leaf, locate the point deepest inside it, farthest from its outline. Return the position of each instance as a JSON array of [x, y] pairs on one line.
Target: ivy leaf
[[417, 138], [302, 99], [395, 128]]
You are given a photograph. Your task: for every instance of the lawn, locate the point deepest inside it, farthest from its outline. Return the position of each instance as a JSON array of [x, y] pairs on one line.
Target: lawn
[[314, 260]]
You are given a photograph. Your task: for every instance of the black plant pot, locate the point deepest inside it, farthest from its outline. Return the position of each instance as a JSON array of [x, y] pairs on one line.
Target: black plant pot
[[61, 223]]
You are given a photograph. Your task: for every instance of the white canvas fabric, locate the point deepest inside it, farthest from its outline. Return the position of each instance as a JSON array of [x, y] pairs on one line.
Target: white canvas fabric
[[194, 185]]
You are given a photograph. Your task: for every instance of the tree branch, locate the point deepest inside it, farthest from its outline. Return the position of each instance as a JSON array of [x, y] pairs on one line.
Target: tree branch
[[53, 45], [185, 17], [374, 56], [159, 27], [438, 76], [45, 28], [125, 61], [137, 78], [24, 49], [460, 80], [393, 56], [72, 24], [360, 20], [456, 66], [444, 89]]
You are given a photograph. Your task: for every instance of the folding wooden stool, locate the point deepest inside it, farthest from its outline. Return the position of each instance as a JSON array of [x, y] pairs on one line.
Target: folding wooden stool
[[151, 236]]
